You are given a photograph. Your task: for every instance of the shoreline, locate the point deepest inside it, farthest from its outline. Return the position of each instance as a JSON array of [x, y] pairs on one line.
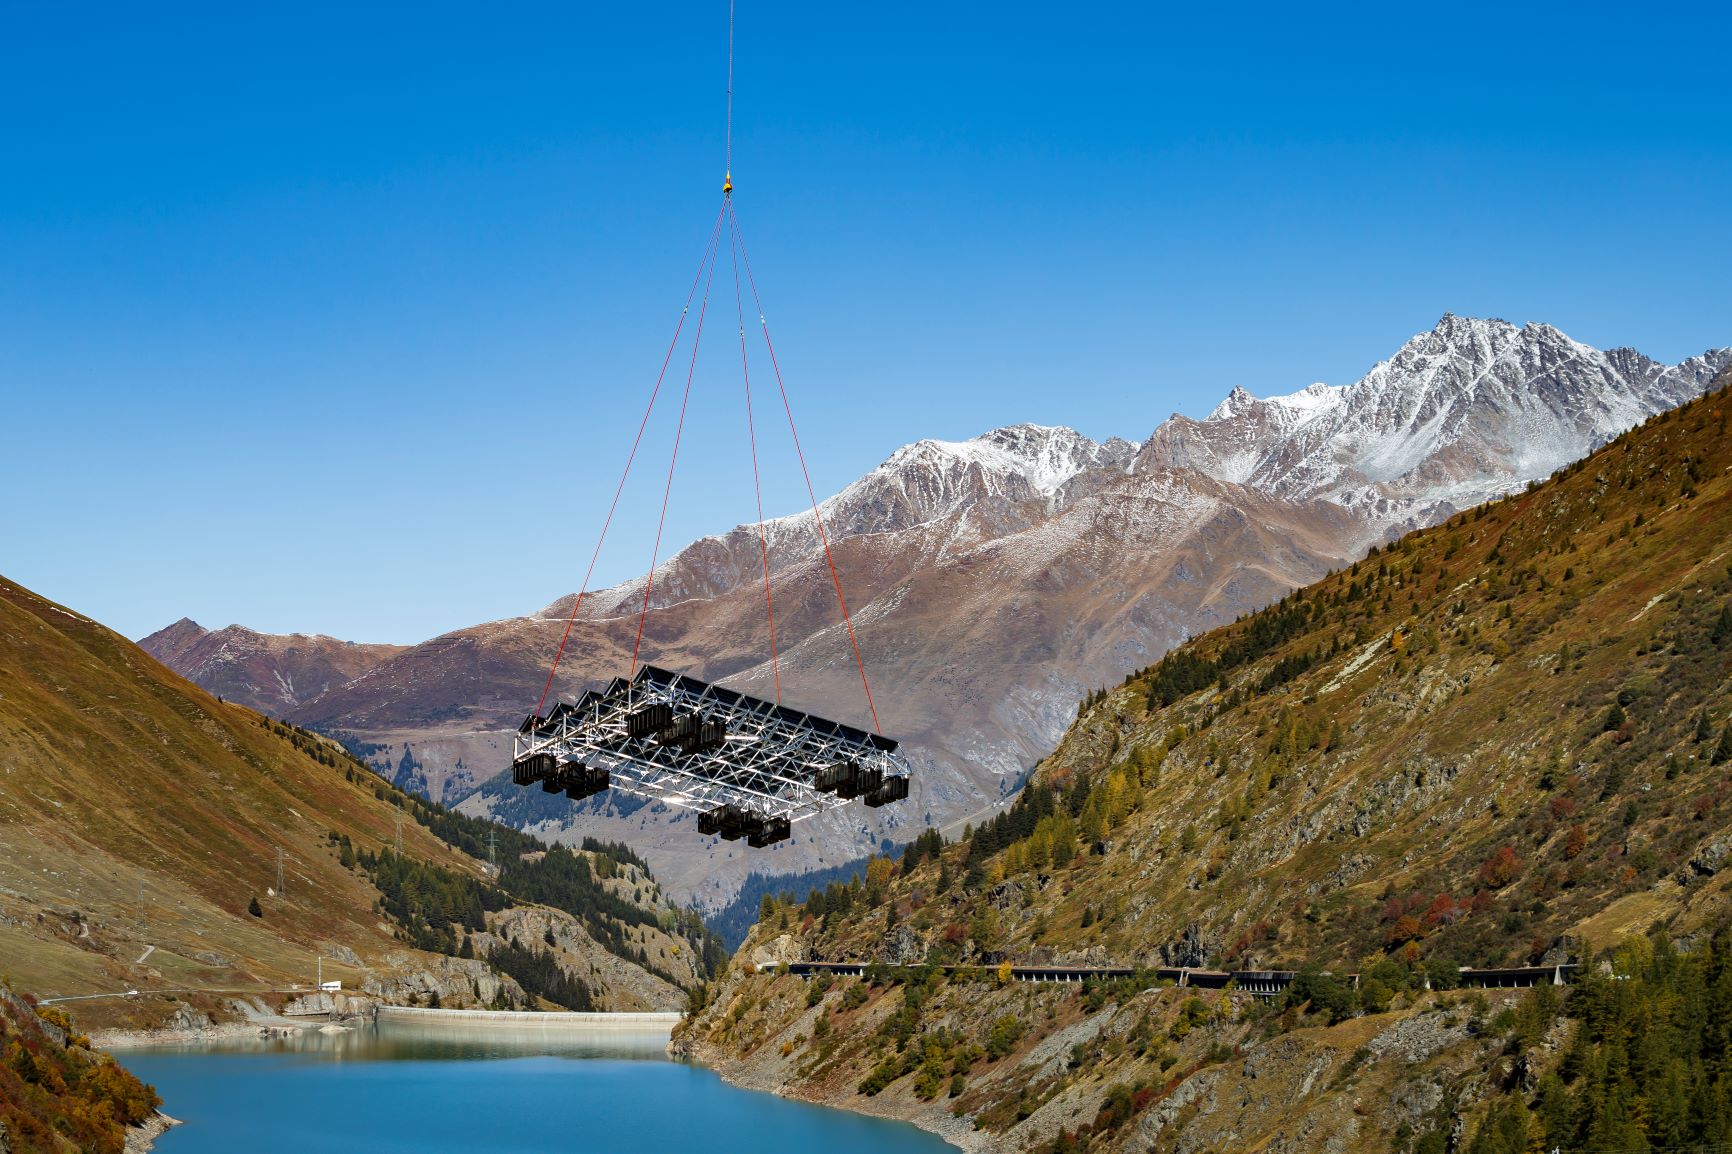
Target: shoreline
[[142, 1137], [951, 1130], [958, 1133], [144, 1039]]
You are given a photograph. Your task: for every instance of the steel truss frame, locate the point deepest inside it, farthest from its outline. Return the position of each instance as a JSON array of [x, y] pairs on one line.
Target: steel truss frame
[[767, 766]]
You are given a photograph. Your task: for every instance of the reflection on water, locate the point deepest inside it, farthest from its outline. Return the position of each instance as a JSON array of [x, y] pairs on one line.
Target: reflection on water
[[446, 1089], [416, 1041]]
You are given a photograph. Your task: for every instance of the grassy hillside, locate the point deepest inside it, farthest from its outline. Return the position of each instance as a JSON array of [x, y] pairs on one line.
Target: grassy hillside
[[1503, 740], [141, 819]]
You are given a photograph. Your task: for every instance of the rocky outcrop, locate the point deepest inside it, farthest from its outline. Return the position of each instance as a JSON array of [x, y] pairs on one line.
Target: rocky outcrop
[[618, 985], [778, 951], [414, 979], [1161, 1069], [1713, 856]]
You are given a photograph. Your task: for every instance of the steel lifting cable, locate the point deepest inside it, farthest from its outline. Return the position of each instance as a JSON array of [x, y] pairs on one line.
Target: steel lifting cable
[[823, 536], [757, 487], [728, 170], [679, 431], [709, 246], [706, 272]]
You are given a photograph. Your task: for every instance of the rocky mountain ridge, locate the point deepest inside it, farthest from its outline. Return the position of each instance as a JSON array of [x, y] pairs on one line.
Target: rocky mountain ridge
[[997, 580], [274, 673]]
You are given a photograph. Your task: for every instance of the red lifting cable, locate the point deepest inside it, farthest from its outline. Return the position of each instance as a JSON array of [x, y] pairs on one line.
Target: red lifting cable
[[715, 232], [679, 431], [757, 489], [739, 239]]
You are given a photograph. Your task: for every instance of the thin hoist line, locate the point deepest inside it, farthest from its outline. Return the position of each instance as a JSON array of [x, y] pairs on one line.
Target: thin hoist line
[[823, 535], [730, 137], [715, 233], [757, 487], [679, 431]]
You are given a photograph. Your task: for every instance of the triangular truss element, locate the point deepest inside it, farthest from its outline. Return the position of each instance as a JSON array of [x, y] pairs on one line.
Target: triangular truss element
[[749, 767]]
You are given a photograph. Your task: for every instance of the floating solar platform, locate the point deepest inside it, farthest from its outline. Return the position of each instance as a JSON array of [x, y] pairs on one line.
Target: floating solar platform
[[749, 767]]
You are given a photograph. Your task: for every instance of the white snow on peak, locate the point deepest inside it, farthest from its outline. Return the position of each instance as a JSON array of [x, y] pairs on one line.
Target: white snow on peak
[[1312, 397], [1046, 456], [1468, 409], [1232, 404]]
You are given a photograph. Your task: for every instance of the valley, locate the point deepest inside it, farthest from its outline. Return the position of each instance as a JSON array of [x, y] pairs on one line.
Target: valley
[[158, 839], [996, 582], [883, 579], [1500, 741]]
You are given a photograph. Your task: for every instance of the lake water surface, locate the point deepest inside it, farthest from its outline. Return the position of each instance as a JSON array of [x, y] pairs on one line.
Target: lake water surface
[[438, 1090]]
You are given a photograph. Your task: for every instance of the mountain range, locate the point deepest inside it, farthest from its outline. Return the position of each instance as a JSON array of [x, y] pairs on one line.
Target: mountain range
[[994, 582], [1502, 741]]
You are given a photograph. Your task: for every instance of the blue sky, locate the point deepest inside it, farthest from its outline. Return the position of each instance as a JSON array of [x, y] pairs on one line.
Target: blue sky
[[335, 320]]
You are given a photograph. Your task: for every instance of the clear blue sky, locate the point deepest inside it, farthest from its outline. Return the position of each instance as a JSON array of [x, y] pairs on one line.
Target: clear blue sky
[[339, 318]]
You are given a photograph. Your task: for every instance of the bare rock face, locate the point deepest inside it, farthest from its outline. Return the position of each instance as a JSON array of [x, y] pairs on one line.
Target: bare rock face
[[778, 951], [904, 947], [185, 1017], [457, 981], [1193, 948], [993, 582], [1713, 856]]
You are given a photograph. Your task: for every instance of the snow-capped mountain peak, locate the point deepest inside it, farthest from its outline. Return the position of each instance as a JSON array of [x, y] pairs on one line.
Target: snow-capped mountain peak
[[1043, 456], [1232, 404], [1472, 408], [1469, 409]]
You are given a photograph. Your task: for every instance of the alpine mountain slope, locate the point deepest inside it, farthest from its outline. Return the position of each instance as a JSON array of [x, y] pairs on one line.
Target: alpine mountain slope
[[272, 673], [153, 837], [996, 581], [1501, 741]]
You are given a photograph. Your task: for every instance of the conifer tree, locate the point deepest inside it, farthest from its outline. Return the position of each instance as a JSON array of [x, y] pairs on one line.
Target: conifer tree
[[1721, 633]]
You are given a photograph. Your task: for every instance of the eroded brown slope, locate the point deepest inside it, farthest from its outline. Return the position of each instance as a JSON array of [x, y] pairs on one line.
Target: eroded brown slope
[[273, 673], [140, 816]]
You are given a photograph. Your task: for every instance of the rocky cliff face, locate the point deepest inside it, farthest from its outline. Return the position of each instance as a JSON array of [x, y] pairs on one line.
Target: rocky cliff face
[[995, 581]]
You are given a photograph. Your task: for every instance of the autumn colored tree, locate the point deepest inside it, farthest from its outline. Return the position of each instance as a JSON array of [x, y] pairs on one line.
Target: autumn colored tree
[[1500, 869]]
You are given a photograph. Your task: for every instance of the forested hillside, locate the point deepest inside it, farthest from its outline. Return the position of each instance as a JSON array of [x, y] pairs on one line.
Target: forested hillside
[[56, 1093], [1501, 741]]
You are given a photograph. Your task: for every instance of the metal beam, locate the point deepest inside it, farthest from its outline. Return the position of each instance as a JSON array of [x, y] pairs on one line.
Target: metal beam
[[767, 765]]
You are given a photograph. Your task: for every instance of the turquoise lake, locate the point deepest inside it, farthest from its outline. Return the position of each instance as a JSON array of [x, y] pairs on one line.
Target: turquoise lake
[[397, 1089]]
